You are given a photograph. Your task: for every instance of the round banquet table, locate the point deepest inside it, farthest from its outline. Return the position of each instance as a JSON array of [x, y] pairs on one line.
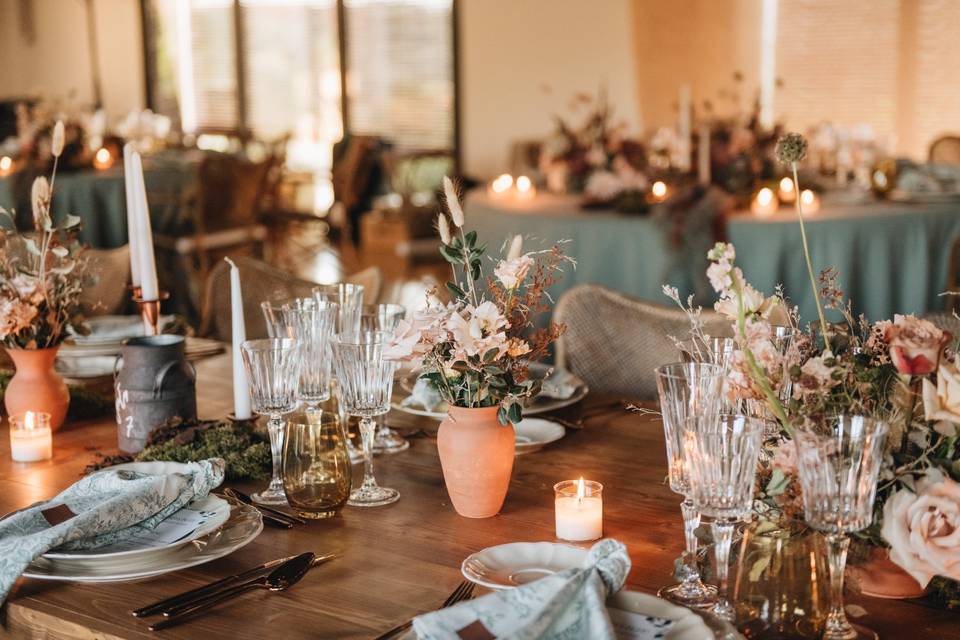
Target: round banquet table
[[98, 198], [892, 257], [628, 253]]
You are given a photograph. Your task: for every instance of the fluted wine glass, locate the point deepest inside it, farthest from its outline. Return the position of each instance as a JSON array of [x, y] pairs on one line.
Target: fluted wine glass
[[722, 453], [687, 389], [311, 323], [839, 462], [366, 382], [384, 317], [273, 368]]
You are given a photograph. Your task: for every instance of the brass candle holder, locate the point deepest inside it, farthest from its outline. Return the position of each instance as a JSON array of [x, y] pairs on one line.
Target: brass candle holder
[[150, 311]]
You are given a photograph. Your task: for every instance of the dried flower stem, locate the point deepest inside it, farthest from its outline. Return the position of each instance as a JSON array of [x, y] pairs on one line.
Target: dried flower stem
[[824, 328]]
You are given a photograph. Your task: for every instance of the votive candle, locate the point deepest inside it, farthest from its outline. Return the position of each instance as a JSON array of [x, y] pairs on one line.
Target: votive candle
[[31, 438], [525, 188], [765, 203], [810, 202], [578, 506]]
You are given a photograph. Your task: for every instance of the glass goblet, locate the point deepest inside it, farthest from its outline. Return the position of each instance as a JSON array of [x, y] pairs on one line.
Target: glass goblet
[[273, 368], [839, 462], [311, 323], [384, 317], [277, 325], [722, 452], [709, 350], [366, 383], [687, 389]]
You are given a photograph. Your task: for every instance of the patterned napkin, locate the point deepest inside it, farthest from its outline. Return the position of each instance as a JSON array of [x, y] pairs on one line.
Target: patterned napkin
[[101, 509], [569, 604]]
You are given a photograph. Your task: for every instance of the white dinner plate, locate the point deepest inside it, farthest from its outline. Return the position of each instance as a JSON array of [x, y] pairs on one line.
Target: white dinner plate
[[684, 624], [212, 512], [509, 565], [242, 527], [533, 434]]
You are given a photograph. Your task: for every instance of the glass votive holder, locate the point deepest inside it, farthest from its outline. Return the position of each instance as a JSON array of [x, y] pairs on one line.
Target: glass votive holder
[[31, 439], [578, 505], [317, 473]]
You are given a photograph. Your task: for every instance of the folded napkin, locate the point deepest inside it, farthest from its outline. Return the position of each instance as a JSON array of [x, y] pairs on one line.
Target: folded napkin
[[569, 604], [103, 508], [425, 396], [560, 384]]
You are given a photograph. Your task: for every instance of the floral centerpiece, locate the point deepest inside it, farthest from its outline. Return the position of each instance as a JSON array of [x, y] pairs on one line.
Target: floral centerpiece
[[476, 351], [595, 158], [900, 371], [41, 277]]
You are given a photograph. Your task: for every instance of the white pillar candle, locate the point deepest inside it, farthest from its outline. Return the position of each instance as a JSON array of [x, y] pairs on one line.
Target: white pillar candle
[[703, 155], [683, 130], [31, 438], [131, 191], [241, 389], [148, 268], [578, 507]]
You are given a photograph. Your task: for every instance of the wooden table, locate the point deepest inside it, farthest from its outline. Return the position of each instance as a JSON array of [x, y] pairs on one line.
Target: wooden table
[[396, 561]]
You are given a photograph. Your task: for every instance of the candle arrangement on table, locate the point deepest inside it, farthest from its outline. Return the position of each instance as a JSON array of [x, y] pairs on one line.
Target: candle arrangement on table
[[31, 438], [765, 203], [143, 269], [578, 506]]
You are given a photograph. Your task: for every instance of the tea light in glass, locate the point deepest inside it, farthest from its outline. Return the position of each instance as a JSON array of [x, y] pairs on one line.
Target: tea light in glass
[[525, 188], [810, 202], [578, 506], [765, 203], [102, 159], [658, 191], [787, 192], [501, 185], [31, 439]]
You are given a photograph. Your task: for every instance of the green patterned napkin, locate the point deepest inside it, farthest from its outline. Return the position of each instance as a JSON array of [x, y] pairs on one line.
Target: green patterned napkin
[[569, 604], [101, 509]]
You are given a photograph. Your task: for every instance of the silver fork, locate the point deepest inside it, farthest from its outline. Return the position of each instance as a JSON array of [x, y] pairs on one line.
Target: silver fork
[[464, 591]]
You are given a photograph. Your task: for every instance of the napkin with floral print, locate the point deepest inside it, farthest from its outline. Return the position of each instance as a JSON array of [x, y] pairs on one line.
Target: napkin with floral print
[[569, 604], [103, 508]]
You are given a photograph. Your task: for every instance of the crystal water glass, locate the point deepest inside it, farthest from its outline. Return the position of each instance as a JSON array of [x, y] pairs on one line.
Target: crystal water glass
[[722, 452], [273, 368], [839, 462], [311, 323], [687, 389], [366, 383], [277, 326], [384, 317]]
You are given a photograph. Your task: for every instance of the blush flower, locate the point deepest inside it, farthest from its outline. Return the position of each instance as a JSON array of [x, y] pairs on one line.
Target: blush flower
[[15, 316], [941, 402], [511, 273], [915, 344]]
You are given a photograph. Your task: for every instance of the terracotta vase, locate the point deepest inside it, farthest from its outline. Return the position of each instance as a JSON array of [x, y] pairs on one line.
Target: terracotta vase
[[476, 454], [36, 386], [879, 577]]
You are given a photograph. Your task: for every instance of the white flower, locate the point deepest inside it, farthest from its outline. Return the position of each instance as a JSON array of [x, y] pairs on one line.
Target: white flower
[[942, 402], [603, 186], [40, 200], [476, 330], [28, 288], [453, 201], [489, 316], [444, 228], [56, 144], [516, 247], [923, 530], [511, 273]]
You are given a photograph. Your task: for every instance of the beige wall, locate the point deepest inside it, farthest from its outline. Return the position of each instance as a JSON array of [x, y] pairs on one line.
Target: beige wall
[[57, 62], [521, 61]]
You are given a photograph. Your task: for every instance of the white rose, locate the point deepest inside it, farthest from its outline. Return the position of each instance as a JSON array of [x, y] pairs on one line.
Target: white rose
[[942, 402], [924, 530]]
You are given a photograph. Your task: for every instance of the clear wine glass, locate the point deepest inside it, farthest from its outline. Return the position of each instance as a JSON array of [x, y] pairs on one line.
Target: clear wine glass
[[709, 349], [722, 453], [273, 367], [277, 326], [839, 461], [311, 323], [687, 389], [366, 383], [384, 317]]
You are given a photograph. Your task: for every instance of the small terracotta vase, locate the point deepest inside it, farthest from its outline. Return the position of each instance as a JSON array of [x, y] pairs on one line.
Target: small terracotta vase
[[476, 454], [36, 386], [879, 577]]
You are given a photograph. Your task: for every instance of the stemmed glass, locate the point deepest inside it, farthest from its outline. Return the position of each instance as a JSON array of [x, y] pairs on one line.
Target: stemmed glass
[[709, 349], [687, 389], [839, 462], [722, 452], [311, 323], [273, 367], [366, 382], [384, 317]]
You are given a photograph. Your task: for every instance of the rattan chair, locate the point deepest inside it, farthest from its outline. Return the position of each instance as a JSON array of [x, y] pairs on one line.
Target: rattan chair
[[261, 282], [108, 293], [614, 342]]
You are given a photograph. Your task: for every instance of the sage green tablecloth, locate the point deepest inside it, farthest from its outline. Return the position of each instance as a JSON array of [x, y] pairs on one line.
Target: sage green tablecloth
[[628, 253], [98, 198], [892, 257]]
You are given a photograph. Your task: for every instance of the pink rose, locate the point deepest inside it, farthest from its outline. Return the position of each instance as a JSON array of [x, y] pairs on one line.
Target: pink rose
[[915, 345]]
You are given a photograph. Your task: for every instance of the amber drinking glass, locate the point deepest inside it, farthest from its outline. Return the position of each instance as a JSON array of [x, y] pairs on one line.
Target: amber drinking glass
[[316, 466]]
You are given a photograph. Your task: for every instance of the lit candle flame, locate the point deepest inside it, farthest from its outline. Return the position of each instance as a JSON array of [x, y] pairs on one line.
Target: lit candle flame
[[523, 184], [504, 182], [29, 421], [103, 155], [786, 185], [764, 197], [806, 196], [581, 491], [659, 189], [5, 163]]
